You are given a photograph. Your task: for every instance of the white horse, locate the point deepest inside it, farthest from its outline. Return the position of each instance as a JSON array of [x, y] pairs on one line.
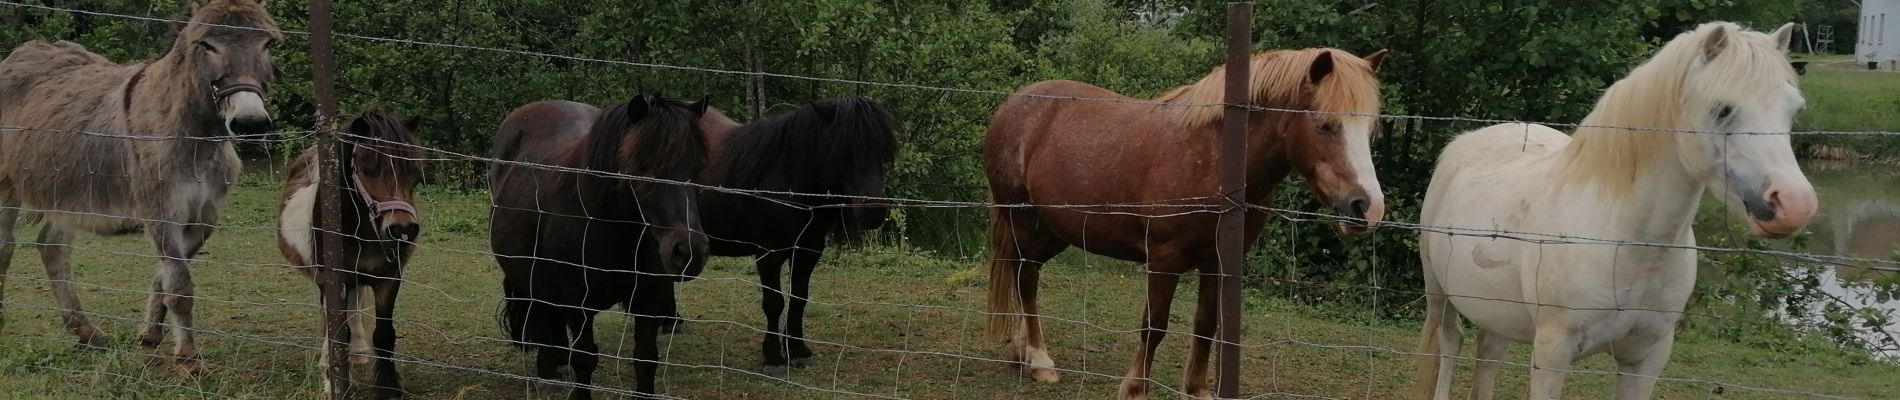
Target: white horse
[[1734, 87]]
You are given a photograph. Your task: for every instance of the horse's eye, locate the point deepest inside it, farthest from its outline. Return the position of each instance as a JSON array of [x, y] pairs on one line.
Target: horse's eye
[[1724, 112], [207, 47], [1329, 128]]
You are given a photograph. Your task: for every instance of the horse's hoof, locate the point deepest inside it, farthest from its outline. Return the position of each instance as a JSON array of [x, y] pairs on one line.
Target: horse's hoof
[[778, 371], [190, 367], [1200, 392], [383, 393], [676, 327], [803, 362], [1045, 375]]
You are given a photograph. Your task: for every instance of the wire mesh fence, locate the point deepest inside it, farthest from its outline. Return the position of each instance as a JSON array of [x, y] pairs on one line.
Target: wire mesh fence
[[882, 319]]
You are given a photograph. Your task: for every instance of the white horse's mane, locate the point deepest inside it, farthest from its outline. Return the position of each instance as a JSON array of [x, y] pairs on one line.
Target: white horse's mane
[[1659, 95]]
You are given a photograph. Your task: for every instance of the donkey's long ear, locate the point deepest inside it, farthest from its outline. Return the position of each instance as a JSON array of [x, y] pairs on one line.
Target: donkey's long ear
[[1716, 41], [1784, 35], [1375, 59], [1322, 66]]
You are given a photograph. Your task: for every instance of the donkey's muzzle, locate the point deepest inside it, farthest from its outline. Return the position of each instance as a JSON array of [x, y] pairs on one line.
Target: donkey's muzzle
[[243, 110]]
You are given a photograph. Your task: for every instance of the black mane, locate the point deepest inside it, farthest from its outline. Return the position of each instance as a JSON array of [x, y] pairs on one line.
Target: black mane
[[665, 140], [814, 146]]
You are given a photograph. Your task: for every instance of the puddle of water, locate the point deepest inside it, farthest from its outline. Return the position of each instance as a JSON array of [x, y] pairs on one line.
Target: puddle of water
[[1859, 217]]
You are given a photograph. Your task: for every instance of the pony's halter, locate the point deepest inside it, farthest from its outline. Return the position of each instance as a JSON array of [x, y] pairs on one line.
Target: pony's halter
[[218, 93], [379, 208]]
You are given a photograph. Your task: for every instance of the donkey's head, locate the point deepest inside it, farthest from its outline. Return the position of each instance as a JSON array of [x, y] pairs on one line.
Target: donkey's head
[[225, 48], [386, 168]]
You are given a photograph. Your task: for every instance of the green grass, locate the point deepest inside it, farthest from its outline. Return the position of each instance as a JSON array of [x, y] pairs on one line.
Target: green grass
[[1843, 99], [907, 323]]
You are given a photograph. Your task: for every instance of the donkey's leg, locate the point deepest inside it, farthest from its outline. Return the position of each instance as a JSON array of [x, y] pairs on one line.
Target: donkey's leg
[[1154, 327], [176, 243], [152, 329], [55, 252], [772, 304], [1204, 323], [802, 265], [1639, 360], [9, 215], [388, 383], [1491, 348]]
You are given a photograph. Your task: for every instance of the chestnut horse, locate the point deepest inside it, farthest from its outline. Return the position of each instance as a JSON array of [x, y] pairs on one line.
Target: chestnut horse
[[115, 149], [1045, 148], [381, 228], [573, 243]]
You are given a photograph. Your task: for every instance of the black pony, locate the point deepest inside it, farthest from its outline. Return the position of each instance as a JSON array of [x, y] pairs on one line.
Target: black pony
[[835, 153], [571, 244]]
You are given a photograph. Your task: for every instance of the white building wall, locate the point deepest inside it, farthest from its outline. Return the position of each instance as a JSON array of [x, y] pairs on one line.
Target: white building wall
[[1879, 37]]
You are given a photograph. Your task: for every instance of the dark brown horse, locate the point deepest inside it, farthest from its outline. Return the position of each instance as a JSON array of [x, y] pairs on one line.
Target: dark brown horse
[[1044, 150], [573, 243], [838, 150], [115, 149], [381, 225]]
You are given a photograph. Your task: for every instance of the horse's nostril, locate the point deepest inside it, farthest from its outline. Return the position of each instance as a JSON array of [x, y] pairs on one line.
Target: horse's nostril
[[1358, 207], [404, 232]]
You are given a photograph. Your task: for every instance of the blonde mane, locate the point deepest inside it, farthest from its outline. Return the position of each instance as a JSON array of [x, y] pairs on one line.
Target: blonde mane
[[1658, 95], [1277, 79]]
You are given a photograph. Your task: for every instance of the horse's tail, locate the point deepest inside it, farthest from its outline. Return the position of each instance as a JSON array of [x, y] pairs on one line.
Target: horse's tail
[[514, 317], [1005, 294]]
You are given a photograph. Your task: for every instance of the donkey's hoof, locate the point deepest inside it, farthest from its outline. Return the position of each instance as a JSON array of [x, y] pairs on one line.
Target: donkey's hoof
[[803, 362], [89, 345], [190, 367], [1045, 375], [150, 342], [95, 341], [778, 371]]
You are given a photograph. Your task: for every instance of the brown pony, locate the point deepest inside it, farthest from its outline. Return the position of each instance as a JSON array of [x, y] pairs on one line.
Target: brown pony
[[121, 149], [573, 243], [381, 226], [1045, 149]]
